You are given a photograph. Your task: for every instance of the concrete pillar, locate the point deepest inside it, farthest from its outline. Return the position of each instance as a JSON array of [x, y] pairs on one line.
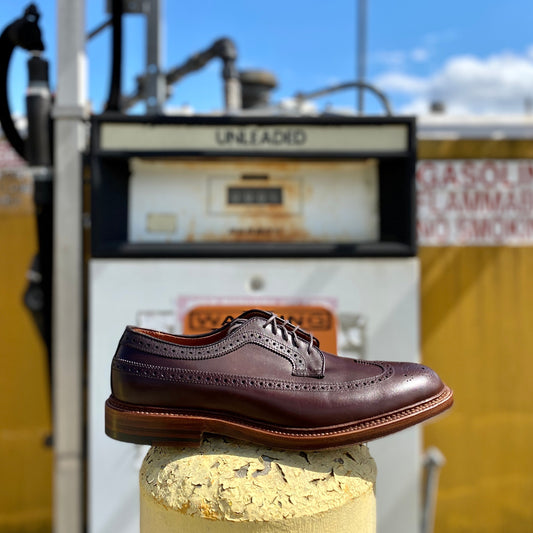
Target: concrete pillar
[[229, 486]]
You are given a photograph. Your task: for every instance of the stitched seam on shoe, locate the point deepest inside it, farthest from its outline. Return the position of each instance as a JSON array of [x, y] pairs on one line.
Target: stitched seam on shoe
[[217, 379], [233, 341]]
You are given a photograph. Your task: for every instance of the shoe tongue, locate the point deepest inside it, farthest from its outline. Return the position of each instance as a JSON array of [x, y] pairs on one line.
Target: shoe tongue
[[250, 313], [247, 315]]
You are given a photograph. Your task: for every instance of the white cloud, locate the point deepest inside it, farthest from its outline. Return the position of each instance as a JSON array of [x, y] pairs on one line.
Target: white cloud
[[397, 59], [501, 83], [420, 55], [402, 83], [390, 58]]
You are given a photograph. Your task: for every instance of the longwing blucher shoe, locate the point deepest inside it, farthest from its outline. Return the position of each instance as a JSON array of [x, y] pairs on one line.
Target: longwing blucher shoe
[[262, 379]]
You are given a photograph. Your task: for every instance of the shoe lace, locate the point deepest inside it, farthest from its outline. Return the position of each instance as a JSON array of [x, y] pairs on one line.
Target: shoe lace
[[276, 322]]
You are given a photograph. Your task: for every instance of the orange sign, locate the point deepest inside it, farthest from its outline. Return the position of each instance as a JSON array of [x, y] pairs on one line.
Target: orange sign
[[318, 320]]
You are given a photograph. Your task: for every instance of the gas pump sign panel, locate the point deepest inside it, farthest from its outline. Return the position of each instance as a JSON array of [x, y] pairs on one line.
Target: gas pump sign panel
[[230, 137], [253, 186], [268, 200]]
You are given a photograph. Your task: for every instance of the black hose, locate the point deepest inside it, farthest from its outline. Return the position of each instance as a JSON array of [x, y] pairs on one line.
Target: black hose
[[115, 87], [8, 126], [25, 33]]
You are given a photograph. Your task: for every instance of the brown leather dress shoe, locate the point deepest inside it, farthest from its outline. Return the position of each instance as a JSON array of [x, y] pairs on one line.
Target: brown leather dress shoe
[[261, 379]]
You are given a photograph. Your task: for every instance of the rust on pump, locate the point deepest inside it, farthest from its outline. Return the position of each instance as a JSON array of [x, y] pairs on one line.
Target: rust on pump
[[253, 200]]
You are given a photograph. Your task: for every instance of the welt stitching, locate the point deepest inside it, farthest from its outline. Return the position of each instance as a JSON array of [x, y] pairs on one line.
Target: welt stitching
[[215, 379]]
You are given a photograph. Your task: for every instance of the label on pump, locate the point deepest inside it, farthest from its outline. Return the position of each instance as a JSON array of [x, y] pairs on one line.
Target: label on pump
[[318, 320]]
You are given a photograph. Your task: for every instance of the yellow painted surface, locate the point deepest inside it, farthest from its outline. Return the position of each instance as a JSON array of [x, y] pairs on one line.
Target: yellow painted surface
[[228, 486], [26, 462], [475, 149], [477, 332]]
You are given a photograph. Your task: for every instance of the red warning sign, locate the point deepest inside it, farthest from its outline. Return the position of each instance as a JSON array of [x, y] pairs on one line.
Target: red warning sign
[[475, 202]]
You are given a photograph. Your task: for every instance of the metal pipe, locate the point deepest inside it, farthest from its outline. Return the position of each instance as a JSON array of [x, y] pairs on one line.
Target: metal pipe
[[155, 81], [67, 324], [349, 85], [38, 296], [224, 49], [99, 29], [38, 105], [361, 52], [433, 462]]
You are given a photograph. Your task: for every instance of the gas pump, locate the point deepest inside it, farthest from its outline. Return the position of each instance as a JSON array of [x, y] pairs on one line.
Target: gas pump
[[196, 218]]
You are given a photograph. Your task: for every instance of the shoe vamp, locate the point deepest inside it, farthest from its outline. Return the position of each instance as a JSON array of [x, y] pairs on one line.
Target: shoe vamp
[[257, 384]]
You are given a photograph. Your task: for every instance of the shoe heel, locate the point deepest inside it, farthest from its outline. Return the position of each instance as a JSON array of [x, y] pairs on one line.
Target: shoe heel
[[152, 428]]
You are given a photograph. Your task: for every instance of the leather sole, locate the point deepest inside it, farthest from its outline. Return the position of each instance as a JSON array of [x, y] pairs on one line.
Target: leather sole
[[176, 427]]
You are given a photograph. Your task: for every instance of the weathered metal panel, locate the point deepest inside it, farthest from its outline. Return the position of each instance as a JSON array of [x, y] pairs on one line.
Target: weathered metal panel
[[253, 200]]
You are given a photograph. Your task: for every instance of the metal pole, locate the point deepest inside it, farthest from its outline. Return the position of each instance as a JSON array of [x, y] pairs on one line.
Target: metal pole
[[155, 81], [68, 275], [361, 52], [433, 462]]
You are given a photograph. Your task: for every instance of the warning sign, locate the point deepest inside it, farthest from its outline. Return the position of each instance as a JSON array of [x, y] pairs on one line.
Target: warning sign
[[475, 202], [318, 320]]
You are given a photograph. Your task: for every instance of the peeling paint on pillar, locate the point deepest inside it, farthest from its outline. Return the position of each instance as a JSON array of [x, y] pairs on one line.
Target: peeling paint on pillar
[[229, 481]]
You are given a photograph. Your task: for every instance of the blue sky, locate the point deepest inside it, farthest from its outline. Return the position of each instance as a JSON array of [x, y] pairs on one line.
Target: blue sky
[[475, 56]]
